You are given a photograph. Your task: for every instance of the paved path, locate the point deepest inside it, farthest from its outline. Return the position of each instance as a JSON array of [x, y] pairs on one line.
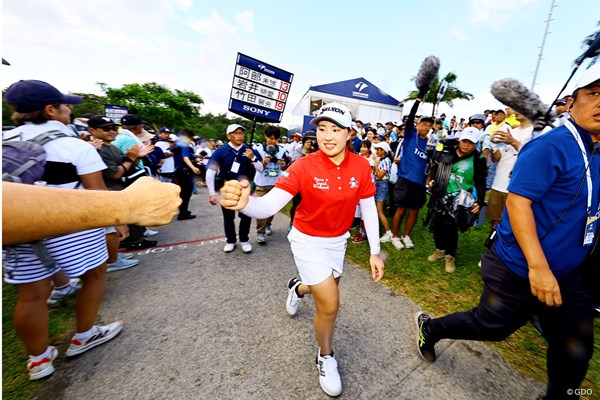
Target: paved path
[[201, 324]]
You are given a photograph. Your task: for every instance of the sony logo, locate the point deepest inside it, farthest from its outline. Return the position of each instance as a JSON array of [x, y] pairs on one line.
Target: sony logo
[[256, 110]]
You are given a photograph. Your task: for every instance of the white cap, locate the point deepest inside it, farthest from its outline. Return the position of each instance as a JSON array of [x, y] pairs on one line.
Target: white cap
[[334, 112], [590, 76], [233, 127], [354, 126], [173, 137], [382, 145], [470, 133]]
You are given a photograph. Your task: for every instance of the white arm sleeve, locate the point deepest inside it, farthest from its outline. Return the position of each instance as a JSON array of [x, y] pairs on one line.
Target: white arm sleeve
[[269, 204], [210, 181], [258, 165], [371, 220]]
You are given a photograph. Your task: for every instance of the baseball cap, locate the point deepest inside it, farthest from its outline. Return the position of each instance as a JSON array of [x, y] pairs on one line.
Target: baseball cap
[[480, 117], [426, 119], [231, 128], [164, 130], [382, 145], [310, 134], [131, 120], [32, 95], [590, 76], [354, 126], [298, 134], [471, 134], [381, 137], [99, 121], [334, 112], [172, 138]]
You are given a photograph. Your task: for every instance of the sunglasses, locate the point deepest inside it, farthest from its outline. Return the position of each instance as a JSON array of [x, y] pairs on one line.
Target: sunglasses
[[108, 128]]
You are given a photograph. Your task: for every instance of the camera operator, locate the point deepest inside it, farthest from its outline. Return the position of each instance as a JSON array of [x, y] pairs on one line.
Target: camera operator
[[274, 161], [460, 168]]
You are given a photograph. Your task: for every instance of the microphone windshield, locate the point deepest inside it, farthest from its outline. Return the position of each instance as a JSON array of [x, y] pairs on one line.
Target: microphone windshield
[[517, 96], [427, 73]]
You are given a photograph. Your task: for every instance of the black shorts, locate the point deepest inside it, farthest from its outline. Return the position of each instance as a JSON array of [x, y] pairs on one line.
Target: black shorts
[[408, 194]]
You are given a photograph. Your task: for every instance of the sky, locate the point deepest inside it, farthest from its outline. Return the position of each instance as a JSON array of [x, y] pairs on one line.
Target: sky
[[192, 44]]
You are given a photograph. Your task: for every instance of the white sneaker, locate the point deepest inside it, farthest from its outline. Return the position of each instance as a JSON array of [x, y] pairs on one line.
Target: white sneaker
[[397, 243], [150, 232], [121, 264], [100, 335], [246, 247], [386, 237], [329, 377], [407, 242], [43, 368], [229, 247], [293, 300]]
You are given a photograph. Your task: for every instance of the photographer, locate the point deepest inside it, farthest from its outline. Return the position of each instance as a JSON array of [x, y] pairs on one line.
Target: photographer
[[274, 160], [458, 169]]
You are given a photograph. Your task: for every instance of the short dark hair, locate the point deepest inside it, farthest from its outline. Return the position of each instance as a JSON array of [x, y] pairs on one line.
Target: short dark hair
[[272, 131]]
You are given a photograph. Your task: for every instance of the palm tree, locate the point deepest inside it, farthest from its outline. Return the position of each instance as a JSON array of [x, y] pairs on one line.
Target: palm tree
[[452, 92]]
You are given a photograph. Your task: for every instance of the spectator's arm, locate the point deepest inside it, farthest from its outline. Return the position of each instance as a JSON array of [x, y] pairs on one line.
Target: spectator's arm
[[32, 212]]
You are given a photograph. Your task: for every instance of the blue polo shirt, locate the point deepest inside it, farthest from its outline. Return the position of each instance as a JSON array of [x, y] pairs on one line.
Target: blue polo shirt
[[181, 150], [413, 163], [222, 160], [549, 171]]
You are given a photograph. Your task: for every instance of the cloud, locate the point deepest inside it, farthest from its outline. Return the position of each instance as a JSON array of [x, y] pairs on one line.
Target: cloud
[[246, 20]]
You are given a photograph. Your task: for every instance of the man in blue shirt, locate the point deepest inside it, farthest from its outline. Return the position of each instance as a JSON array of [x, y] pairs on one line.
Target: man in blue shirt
[[234, 160], [538, 259]]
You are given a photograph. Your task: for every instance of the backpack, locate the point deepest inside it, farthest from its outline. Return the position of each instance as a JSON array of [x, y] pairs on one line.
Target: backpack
[[24, 161]]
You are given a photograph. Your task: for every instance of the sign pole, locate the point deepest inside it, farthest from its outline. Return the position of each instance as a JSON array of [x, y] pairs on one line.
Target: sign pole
[[253, 129]]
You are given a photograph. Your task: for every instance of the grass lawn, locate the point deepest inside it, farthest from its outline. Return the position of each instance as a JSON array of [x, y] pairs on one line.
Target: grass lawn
[[407, 272]]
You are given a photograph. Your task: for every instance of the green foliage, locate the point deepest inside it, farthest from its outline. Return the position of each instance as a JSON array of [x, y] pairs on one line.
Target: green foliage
[[452, 92], [92, 103], [7, 111], [156, 103]]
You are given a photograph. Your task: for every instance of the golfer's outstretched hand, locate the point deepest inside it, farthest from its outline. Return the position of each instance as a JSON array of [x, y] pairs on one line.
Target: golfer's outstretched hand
[[234, 194]]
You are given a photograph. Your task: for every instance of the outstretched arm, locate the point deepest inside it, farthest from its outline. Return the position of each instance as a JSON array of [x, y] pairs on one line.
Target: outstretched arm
[[236, 196], [32, 212]]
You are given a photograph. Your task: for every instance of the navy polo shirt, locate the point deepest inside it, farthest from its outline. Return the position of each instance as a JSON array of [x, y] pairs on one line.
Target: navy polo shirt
[[413, 163], [180, 151], [222, 160], [549, 171]]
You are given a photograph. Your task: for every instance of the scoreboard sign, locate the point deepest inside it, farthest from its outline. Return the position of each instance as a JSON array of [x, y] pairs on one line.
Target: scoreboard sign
[[115, 112], [259, 90]]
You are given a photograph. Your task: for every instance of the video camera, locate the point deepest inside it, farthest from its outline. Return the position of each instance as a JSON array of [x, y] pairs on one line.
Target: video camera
[[271, 151]]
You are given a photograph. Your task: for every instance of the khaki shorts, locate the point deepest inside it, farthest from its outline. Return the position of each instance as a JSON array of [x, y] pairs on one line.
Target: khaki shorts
[[496, 203]]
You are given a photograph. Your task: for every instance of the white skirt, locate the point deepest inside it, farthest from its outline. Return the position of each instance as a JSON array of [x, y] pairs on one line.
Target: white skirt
[[318, 257]]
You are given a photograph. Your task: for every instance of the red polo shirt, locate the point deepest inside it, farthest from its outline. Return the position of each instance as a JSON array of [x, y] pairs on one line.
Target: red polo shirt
[[329, 192]]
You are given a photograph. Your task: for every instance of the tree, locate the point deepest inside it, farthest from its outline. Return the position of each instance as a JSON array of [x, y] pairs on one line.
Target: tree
[[452, 92], [92, 103], [156, 103]]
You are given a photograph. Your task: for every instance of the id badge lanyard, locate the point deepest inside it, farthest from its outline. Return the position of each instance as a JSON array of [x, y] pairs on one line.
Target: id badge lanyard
[[592, 219]]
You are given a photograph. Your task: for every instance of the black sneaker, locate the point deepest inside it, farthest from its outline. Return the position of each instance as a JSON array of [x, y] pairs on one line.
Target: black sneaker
[[425, 347], [184, 217], [144, 244]]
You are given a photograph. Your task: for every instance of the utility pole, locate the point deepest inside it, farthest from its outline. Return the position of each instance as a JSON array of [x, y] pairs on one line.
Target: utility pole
[[540, 56]]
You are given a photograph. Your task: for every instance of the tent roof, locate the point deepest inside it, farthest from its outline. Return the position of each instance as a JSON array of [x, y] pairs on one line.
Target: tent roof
[[359, 89]]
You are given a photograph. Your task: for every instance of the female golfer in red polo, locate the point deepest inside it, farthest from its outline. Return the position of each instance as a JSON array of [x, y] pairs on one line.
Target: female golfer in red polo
[[331, 181]]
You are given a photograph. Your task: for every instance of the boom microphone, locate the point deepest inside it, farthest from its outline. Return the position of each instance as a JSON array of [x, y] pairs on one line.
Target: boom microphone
[[517, 96], [427, 73]]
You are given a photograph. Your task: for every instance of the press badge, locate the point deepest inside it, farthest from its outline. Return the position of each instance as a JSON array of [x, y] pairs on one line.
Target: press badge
[[235, 167], [590, 228]]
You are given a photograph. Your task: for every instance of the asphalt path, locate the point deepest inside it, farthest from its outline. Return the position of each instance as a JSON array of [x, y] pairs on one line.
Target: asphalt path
[[202, 324]]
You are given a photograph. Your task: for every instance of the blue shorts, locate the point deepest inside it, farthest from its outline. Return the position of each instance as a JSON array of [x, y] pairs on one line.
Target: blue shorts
[[382, 190]]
